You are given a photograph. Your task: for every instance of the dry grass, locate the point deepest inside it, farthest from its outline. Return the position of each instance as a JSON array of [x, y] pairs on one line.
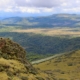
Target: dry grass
[[66, 67], [15, 70], [3, 76], [52, 31]]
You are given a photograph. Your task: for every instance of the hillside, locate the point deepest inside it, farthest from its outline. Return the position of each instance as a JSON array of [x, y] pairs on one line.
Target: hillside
[[38, 45], [14, 65], [64, 67], [55, 20]]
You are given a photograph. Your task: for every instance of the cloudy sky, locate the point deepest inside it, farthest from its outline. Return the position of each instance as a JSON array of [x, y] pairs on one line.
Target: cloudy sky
[[43, 7]]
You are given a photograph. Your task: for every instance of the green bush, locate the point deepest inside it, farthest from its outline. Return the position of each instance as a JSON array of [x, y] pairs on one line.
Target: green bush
[[70, 64]]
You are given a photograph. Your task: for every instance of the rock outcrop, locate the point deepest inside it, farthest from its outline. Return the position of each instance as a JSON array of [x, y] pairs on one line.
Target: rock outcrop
[[14, 65]]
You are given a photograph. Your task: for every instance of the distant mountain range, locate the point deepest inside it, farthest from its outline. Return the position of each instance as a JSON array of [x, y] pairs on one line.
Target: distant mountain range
[[55, 20]]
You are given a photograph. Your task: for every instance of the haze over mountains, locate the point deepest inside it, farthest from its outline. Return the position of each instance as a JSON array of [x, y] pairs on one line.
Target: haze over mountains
[[46, 40], [41, 37], [55, 20]]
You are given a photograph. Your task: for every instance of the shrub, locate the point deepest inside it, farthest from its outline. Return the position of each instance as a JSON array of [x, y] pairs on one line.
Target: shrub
[[1, 68], [24, 78], [62, 79], [62, 72], [40, 78], [70, 64]]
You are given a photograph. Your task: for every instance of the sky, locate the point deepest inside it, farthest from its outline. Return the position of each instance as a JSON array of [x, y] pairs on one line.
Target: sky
[[38, 7]]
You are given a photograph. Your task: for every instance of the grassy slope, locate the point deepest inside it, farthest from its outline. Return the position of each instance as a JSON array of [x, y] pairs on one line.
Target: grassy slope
[[14, 65], [66, 67], [15, 70]]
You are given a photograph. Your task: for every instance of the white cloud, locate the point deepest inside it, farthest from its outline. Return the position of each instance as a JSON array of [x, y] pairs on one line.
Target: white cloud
[[38, 3], [72, 10], [28, 9], [47, 9], [6, 3], [37, 6]]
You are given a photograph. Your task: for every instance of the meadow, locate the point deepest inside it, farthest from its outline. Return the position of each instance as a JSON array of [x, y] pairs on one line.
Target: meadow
[[51, 31], [64, 67]]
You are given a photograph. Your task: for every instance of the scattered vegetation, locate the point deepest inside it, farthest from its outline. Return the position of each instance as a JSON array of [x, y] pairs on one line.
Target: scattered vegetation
[[37, 45], [14, 65], [55, 20], [62, 32], [68, 68]]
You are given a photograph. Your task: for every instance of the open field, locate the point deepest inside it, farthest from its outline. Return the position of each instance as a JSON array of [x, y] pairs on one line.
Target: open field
[[52, 31]]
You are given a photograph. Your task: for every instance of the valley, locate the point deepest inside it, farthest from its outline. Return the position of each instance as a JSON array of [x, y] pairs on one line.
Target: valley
[[52, 48], [57, 31], [40, 40], [40, 46]]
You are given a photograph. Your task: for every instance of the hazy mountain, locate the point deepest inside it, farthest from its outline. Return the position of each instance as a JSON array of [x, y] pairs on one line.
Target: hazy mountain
[[17, 21], [55, 20]]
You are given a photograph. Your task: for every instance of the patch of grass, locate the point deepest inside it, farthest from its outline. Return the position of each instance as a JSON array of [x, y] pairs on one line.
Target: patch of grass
[[65, 69], [40, 78], [52, 31], [24, 78]]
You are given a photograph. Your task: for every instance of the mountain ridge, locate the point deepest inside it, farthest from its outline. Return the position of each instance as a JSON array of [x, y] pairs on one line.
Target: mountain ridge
[[55, 20]]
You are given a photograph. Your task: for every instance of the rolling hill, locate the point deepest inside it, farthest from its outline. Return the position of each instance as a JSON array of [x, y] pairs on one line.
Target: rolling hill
[[64, 67], [55, 20]]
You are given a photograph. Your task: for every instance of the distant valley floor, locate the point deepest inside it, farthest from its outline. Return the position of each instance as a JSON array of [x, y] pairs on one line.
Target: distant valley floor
[[52, 31]]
